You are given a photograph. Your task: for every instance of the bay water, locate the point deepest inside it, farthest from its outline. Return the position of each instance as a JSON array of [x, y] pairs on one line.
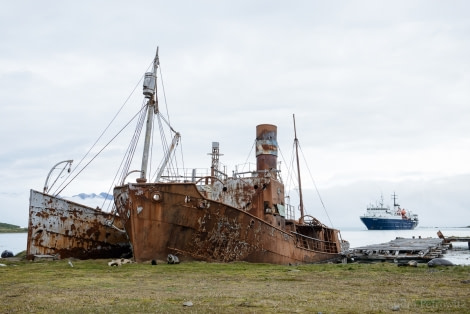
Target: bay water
[[17, 242]]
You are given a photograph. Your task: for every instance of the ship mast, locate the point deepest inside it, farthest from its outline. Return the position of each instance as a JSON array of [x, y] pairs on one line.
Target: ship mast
[[301, 204], [150, 92], [394, 197]]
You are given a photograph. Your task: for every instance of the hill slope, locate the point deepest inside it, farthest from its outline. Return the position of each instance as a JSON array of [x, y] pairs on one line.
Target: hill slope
[[8, 228]]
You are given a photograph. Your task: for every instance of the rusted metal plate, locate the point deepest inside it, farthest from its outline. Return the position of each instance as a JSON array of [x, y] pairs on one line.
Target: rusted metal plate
[[185, 223], [64, 228]]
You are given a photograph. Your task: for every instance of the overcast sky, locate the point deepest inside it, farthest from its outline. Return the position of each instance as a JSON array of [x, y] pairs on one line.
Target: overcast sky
[[380, 90]]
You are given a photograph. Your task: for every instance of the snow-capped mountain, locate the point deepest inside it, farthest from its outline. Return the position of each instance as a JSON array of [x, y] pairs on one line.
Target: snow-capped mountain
[[101, 200], [102, 195]]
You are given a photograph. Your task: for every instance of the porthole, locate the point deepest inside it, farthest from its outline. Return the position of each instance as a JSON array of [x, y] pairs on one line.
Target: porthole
[[157, 197]]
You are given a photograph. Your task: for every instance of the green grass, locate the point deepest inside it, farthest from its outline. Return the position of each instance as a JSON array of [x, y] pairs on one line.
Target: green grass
[[93, 286], [8, 228]]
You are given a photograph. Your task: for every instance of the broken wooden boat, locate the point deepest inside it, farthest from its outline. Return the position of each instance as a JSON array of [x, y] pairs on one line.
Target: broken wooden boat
[[218, 218]]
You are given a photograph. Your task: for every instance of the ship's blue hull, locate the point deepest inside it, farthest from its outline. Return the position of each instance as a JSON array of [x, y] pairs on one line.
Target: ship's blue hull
[[374, 223]]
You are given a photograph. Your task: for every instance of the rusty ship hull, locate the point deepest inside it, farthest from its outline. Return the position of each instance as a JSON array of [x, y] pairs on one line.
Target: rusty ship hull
[[224, 219], [175, 218], [65, 229]]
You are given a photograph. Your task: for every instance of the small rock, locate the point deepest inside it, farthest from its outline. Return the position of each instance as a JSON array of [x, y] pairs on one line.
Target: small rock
[[115, 262], [465, 281], [126, 261], [396, 308], [439, 262], [119, 262], [173, 259], [7, 253], [413, 263], [188, 303]]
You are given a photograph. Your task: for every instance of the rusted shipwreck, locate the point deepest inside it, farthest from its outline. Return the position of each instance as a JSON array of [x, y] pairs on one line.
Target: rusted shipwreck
[[61, 228], [220, 218], [215, 217], [241, 218]]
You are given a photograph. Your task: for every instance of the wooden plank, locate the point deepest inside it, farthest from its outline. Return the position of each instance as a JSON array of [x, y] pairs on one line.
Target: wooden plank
[[422, 249]]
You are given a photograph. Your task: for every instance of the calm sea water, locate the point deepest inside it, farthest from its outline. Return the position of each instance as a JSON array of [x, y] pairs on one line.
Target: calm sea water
[[16, 242]]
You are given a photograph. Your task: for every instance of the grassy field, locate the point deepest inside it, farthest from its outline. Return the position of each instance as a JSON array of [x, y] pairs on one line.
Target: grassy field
[[93, 286], [8, 228]]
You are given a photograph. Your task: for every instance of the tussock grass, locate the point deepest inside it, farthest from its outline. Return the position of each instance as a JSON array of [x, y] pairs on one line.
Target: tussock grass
[[93, 286]]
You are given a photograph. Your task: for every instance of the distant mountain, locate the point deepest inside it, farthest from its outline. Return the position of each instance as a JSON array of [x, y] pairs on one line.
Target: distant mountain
[[102, 195], [92, 200]]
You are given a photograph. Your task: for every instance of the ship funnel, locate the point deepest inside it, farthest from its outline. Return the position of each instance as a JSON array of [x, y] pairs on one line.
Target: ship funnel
[[266, 147]]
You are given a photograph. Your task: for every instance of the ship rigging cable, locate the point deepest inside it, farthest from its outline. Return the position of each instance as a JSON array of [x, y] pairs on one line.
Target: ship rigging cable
[[127, 158], [315, 185], [291, 172], [60, 189], [96, 155], [167, 120]]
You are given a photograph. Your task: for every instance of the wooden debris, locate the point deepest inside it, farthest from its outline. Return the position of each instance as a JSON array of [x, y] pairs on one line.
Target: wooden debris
[[451, 239], [400, 250], [45, 257]]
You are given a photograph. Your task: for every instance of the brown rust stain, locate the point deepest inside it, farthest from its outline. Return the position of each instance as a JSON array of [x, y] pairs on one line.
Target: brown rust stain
[[58, 227]]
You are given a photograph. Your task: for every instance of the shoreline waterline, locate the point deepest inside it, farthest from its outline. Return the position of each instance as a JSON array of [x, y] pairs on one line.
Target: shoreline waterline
[[460, 254]]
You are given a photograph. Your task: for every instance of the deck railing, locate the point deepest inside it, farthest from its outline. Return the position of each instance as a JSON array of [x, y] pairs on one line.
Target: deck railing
[[314, 244]]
